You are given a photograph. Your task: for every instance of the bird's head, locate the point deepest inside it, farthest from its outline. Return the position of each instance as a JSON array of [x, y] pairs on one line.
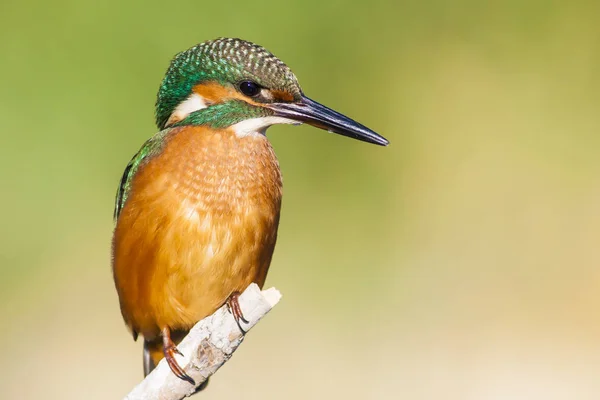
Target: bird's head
[[233, 83]]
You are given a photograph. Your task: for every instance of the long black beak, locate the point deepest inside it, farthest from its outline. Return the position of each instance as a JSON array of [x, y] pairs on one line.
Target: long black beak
[[318, 115]]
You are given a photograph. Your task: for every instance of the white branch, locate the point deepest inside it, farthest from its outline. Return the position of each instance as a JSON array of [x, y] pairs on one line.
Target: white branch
[[210, 343]]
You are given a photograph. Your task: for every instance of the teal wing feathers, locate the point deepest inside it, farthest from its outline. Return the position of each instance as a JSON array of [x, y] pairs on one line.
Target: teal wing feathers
[[148, 150]]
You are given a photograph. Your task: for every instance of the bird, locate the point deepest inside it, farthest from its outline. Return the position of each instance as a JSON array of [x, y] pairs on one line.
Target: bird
[[197, 208]]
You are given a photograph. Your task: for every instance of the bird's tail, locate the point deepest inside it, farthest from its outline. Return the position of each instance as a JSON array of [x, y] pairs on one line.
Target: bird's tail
[[153, 353]]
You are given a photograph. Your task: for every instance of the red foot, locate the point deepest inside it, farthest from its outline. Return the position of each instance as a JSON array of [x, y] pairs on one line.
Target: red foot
[[235, 309], [169, 350]]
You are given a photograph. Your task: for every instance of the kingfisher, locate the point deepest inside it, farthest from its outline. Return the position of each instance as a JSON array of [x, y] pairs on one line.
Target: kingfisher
[[198, 206]]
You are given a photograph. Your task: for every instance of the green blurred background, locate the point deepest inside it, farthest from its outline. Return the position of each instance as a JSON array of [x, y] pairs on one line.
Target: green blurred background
[[461, 262]]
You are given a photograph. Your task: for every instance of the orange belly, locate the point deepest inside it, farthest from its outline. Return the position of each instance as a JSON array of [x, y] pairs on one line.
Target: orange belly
[[200, 222]]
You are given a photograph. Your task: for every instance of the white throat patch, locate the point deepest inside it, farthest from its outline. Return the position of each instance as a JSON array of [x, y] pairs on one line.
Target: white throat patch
[[193, 103], [254, 126], [258, 126]]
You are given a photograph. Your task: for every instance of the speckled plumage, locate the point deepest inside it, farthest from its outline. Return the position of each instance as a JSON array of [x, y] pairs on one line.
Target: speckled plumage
[[201, 223], [149, 149], [197, 208], [218, 116], [224, 60]]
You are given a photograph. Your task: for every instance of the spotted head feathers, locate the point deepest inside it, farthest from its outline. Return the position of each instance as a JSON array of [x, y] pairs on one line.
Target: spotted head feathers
[[229, 63]]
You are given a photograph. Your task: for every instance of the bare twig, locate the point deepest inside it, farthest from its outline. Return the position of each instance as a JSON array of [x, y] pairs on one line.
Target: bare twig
[[210, 343]]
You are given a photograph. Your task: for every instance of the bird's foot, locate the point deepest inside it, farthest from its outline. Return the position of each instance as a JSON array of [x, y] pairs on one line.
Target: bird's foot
[[234, 307], [169, 350]]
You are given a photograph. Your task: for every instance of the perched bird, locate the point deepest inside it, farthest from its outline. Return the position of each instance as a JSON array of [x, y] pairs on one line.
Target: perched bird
[[197, 208]]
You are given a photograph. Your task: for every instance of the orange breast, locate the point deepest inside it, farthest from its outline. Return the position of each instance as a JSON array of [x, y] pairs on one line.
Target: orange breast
[[200, 222]]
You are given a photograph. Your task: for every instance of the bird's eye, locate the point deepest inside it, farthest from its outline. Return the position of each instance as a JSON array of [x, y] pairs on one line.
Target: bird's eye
[[249, 88]]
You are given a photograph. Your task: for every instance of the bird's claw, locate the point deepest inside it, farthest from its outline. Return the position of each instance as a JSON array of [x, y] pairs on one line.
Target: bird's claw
[[169, 351], [233, 304]]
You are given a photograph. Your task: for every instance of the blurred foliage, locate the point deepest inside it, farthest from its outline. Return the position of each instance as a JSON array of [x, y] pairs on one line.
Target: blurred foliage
[[461, 261]]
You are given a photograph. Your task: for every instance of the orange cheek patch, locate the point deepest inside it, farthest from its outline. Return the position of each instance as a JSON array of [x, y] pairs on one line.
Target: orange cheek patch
[[213, 92], [280, 95]]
